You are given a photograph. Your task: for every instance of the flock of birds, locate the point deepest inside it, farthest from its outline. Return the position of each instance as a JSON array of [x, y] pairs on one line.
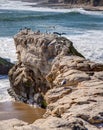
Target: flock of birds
[[28, 29]]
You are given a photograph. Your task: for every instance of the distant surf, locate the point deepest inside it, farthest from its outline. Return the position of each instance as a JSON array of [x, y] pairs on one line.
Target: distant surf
[[28, 6]]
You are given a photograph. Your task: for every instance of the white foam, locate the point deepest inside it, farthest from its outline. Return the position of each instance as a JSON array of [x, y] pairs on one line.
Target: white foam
[[7, 48], [15, 5], [4, 85], [82, 11], [9, 4], [19, 5], [89, 44]]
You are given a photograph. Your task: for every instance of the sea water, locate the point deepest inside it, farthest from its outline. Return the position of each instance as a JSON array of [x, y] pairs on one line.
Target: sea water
[[83, 28]]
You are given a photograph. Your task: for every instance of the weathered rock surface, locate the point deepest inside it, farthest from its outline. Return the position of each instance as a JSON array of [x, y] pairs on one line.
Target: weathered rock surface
[[37, 53], [50, 67], [15, 124], [85, 2], [42, 124], [5, 66]]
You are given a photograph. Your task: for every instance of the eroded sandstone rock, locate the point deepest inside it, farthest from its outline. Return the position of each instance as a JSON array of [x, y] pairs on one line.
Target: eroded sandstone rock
[[37, 53], [50, 67]]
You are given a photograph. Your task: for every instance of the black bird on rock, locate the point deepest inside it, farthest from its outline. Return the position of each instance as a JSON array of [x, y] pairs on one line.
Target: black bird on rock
[[59, 33]]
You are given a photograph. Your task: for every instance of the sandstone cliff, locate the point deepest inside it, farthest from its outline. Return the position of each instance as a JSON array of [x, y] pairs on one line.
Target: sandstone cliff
[[51, 70]]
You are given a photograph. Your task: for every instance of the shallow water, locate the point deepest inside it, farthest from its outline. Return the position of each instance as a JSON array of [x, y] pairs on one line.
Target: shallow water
[[9, 110]]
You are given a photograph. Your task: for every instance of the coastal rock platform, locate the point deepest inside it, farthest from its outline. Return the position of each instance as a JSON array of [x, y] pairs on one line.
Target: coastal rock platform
[[52, 74]]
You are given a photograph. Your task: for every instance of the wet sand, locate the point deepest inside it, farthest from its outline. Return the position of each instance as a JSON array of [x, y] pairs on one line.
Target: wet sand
[[9, 110]]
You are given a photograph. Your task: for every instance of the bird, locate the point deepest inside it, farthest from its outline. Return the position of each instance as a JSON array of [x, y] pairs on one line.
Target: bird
[[63, 82], [20, 29], [59, 33]]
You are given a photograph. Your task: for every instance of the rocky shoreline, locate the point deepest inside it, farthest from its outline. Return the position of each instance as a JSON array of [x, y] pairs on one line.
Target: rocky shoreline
[[69, 6], [62, 5], [5, 66], [67, 84]]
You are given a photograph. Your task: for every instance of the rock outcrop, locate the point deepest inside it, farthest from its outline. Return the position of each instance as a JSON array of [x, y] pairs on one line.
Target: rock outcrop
[[5, 66], [50, 71], [85, 2], [36, 54]]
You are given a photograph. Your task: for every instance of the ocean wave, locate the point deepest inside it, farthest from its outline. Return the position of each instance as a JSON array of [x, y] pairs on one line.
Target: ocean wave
[[84, 12], [33, 16], [4, 85], [28, 16]]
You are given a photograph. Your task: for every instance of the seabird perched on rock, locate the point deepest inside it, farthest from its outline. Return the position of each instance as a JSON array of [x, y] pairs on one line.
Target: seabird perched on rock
[[59, 33], [63, 82], [20, 29], [25, 27]]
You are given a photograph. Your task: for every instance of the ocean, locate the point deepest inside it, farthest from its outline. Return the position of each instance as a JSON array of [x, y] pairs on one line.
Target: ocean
[[83, 28]]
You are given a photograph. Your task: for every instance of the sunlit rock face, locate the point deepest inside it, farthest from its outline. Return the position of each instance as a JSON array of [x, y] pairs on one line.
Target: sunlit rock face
[[37, 53]]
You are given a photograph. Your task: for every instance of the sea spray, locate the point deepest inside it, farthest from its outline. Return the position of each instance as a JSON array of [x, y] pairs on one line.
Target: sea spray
[[4, 85]]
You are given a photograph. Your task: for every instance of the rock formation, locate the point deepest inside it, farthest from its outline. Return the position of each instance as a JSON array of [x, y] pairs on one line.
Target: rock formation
[[36, 54], [85, 2], [50, 71], [5, 66]]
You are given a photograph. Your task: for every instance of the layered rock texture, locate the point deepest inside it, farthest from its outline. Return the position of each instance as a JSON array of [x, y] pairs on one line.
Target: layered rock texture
[[50, 71], [85, 2], [5, 66]]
